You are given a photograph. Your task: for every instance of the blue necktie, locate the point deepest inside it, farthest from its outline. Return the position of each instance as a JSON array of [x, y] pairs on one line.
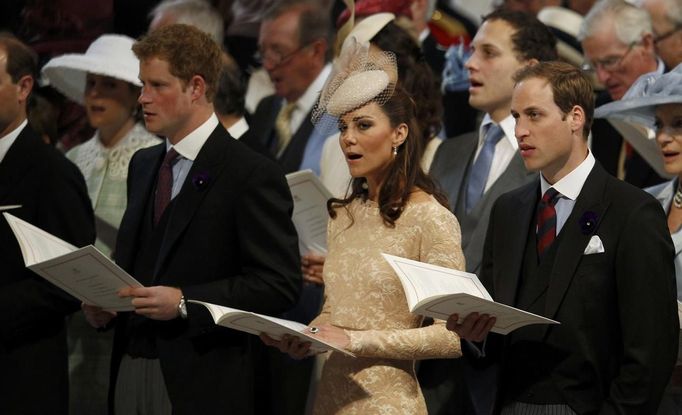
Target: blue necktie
[[478, 176]]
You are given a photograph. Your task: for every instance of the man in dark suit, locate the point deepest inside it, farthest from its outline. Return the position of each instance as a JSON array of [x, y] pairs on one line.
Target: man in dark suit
[[294, 48], [207, 219], [53, 196], [585, 249], [500, 48]]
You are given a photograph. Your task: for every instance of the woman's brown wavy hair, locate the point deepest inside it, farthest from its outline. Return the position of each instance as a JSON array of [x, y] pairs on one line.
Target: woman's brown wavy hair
[[404, 173]]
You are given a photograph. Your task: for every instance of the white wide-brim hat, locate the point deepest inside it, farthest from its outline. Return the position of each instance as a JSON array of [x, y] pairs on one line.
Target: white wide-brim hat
[[108, 55], [566, 24], [639, 104]]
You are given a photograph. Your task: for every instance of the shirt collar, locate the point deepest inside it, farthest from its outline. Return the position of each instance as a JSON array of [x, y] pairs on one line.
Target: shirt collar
[[239, 128], [9, 139], [508, 124], [570, 185], [424, 34], [660, 66], [309, 98], [190, 146]]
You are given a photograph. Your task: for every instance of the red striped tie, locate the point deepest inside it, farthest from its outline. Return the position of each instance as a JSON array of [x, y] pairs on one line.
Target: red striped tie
[[546, 220]]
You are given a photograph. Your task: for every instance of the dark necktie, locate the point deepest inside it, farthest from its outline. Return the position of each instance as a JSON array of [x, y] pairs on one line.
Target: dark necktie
[[164, 185], [478, 176], [546, 220]]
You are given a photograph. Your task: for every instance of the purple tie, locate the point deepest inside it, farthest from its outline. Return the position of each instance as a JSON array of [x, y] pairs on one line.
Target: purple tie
[[164, 185]]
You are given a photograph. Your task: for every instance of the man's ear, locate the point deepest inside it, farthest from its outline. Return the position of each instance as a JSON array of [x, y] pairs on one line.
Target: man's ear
[[577, 118], [648, 43], [400, 135], [320, 47], [24, 87], [197, 87], [531, 62]]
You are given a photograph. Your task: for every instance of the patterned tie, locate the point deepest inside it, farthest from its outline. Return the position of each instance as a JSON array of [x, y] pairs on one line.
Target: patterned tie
[[164, 185], [546, 220], [478, 175], [283, 127]]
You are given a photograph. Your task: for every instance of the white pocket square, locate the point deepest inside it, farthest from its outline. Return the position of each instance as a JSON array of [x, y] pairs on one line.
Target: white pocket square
[[594, 246]]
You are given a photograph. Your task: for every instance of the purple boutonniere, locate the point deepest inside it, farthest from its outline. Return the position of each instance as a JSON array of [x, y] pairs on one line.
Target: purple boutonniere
[[588, 222], [200, 180]]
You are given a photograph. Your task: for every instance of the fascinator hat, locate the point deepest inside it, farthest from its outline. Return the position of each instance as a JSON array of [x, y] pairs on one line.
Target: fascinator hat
[[108, 55], [360, 74], [638, 105]]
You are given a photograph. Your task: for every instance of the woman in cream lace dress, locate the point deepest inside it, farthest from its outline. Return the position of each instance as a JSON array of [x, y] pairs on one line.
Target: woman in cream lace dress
[[395, 209]]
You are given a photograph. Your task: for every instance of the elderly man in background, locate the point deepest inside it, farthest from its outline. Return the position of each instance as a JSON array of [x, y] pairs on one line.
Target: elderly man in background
[[296, 61], [618, 43]]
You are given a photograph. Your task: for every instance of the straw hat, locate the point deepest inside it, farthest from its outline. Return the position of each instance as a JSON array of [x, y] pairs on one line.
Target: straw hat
[[108, 55], [639, 104], [365, 30], [359, 75]]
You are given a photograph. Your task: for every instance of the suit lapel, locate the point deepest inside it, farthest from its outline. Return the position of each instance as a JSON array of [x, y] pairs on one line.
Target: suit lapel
[[454, 167], [508, 272], [142, 187], [206, 168], [574, 240], [293, 154], [17, 162]]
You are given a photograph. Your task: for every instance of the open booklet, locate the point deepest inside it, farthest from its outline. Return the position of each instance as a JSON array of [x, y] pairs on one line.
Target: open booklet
[[439, 292], [310, 210], [253, 323], [85, 273]]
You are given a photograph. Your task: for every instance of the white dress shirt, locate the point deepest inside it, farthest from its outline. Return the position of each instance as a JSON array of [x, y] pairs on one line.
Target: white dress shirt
[[239, 128], [569, 186], [305, 103], [504, 149], [188, 148], [9, 139]]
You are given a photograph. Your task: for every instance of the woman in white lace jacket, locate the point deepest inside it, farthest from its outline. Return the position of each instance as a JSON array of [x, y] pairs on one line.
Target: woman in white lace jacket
[[105, 81]]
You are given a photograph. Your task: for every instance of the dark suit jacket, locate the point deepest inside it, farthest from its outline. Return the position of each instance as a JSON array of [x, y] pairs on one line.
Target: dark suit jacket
[[53, 196], [263, 125], [450, 168], [229, 241], [617, 309]]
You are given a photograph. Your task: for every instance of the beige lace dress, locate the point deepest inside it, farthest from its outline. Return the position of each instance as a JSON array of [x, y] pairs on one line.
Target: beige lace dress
[[364, 296]]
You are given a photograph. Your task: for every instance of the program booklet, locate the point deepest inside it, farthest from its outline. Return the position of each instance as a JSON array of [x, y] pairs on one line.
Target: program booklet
[[439, 292], [256, 324], [310, 211], [85, 273]]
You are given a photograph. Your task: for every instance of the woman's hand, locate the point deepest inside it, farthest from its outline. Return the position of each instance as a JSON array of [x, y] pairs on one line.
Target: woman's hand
[[332, 335], [97, 317], [291, 345], [298, 348], [312, 266]]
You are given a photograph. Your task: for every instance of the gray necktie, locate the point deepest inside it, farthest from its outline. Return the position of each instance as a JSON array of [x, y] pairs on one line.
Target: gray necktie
[[478, 175]]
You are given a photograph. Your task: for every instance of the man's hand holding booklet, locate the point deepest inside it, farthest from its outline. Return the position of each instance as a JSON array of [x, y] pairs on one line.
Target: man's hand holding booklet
[[439, 292]]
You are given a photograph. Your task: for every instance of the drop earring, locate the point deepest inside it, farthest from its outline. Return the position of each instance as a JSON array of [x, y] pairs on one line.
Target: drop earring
[[395, 151]]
